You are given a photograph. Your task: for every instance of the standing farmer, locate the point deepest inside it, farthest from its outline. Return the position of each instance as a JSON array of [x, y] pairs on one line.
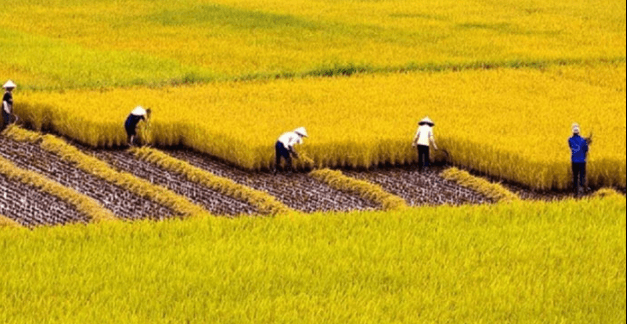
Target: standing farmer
[[138, 114], [7, 104], [424, 137], [579, 151], [285, 146]]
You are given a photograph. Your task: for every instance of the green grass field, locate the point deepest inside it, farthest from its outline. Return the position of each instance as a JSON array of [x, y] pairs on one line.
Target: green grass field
[[509, 263]]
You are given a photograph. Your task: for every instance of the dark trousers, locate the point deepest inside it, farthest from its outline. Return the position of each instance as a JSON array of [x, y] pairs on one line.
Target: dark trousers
[[579, 175], [6, 119], [282, 151], [423, 156]]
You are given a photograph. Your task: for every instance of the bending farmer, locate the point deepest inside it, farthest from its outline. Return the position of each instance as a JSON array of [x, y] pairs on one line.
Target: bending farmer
[[7, 104], [285, 146], [138, 114], [579, 151], [424, 137]]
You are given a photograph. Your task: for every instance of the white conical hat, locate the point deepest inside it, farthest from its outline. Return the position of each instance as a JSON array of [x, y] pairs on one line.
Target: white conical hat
[[138, 111], [426, 120], [9, 84], [301, 131]]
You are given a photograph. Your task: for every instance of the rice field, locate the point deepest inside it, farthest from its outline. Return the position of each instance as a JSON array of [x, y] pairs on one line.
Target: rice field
[[509, 123], [509, 263], [503, 80]]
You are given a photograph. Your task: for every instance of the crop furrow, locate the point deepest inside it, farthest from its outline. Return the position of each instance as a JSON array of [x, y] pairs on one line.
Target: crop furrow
[[212, 200], [420, 188], [121, 202], [296, 190]]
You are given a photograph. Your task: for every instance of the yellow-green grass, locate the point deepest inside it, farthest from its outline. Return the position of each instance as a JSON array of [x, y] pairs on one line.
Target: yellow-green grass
[[361, 188], [86, 43], [83, 204], [512, 124], [524, 262], [491, 190], [264, 202], [90, 164]]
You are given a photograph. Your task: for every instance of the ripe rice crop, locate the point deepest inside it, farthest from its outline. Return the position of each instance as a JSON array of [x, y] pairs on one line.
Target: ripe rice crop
[[6, 222], [362, 188], [494, 191], [52, 44], [512, 124], [522, 262], [83, 204], [101, 169]]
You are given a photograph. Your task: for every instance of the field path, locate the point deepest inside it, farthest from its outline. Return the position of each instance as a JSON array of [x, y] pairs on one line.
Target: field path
[[121, 202]]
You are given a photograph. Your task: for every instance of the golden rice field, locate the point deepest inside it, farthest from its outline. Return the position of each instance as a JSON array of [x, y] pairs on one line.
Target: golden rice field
[[80, 43], [523, 262], [83, 65], [510, 123]]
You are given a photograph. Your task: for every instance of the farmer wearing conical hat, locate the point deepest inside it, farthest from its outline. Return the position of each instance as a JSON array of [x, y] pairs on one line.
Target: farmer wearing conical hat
[[285, 146], [579, 151], [138, 114], [7, 104], [424, 137]]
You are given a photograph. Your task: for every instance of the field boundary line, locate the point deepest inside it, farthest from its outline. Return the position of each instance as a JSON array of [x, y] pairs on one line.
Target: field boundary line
[[491, 190], [264, 202], [83, 204], [364, 189], [101, 169], [6, 222]]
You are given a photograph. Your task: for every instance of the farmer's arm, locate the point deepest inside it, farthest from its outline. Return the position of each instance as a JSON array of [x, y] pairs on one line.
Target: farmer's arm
[[432, 139], [415, 141]]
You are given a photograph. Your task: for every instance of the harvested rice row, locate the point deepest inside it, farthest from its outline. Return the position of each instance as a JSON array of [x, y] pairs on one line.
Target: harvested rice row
[[6, 222], [92, 165], [82, 203], [265, 203], [364, 189], [491, 190]]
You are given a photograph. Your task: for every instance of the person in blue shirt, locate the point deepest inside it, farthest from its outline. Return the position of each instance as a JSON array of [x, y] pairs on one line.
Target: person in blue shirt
[[579, 152]]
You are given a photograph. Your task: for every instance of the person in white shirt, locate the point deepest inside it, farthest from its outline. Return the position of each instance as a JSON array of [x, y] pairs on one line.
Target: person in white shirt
[[138, 114], [424, 137], [285, 146], [7, 104]]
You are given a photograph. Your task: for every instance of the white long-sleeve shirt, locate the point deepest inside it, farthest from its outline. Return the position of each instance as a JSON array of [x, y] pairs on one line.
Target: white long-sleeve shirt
[[289, 139], [424, 135]]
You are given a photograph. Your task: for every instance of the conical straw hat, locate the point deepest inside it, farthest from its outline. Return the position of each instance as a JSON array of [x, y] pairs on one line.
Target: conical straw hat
[[301, 131], [9, 84], [427, 121]]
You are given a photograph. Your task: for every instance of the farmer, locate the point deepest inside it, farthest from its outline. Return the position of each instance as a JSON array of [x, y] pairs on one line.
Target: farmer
[[424, 137], [138, 114], [285, 146], [7, 104], [579, 151]]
